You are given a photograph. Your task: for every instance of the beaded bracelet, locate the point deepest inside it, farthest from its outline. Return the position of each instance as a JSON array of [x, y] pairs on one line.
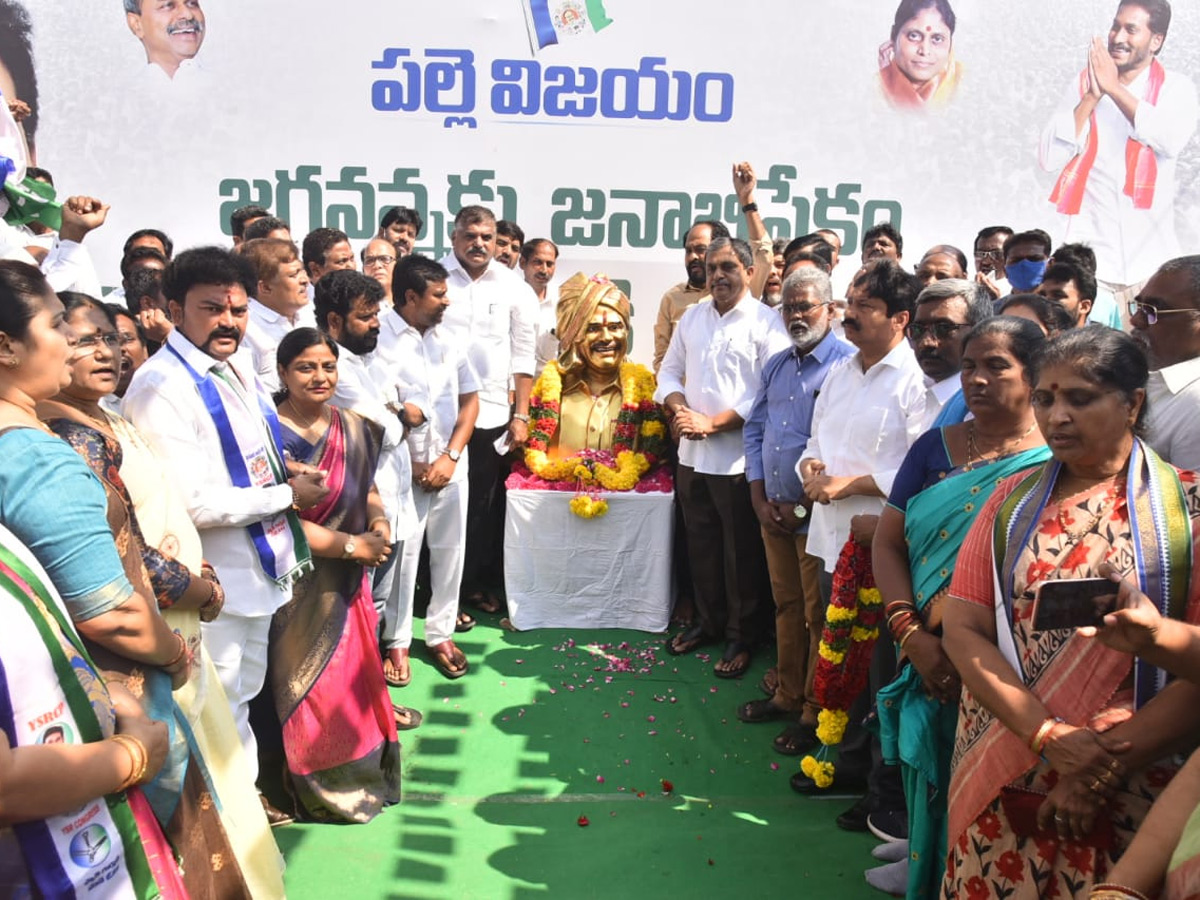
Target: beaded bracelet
[[139, 759]]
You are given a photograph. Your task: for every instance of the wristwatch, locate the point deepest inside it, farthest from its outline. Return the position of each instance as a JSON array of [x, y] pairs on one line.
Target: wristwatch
[[348, 548], [453, 454]]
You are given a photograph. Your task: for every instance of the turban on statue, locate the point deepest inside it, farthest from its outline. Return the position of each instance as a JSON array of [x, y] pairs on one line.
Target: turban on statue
[[578, 300]]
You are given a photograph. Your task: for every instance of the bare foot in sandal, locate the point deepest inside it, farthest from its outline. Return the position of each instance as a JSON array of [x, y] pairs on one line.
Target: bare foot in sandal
[[448, 659], [396, 670]]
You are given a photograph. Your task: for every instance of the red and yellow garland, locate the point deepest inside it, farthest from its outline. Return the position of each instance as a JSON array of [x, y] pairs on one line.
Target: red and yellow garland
[[851, 628], [639, 436]]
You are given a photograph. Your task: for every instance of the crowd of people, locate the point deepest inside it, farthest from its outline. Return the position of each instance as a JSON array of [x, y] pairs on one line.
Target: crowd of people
[[229, 479]]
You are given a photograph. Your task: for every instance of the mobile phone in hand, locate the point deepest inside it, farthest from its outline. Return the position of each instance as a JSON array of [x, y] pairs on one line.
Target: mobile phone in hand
[[1073, 603]]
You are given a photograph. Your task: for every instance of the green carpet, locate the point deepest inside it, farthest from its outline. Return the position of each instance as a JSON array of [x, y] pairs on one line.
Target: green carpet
[[551, 726]]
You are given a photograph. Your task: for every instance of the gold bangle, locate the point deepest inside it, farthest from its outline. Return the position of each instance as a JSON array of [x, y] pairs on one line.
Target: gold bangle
[[912, 629], [139, 759], [1115, 892], [183, 647], [1037, 743]]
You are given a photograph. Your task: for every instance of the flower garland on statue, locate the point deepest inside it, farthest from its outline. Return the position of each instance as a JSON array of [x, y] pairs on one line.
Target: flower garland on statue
[[639, 439], [852, 623]]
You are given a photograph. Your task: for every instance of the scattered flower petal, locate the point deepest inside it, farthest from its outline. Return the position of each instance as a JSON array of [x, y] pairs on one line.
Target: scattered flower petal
[[667, 786], [583, 822]]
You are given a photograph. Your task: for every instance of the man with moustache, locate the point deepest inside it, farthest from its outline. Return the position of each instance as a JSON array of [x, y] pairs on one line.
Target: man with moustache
[[378, 261], [946, 311], [941, 261], [401, 225], [1072, 287], [510, 238], [436, 368], [989, 259], [775, 434], [171, 32], [205, 414], [539, 259], [868, 414], [707, 384], [686, 294], [1116, 137], [347, 305], [491, 315], [279, 304], [882, 241], [1165, 319]]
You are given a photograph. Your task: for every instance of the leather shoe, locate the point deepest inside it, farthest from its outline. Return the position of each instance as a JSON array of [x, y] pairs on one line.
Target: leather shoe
[[855, 818], [275, 817], [842, 784]]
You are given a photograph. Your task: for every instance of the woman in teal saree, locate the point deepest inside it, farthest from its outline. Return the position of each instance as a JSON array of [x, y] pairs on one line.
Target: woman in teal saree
[[945, 479]]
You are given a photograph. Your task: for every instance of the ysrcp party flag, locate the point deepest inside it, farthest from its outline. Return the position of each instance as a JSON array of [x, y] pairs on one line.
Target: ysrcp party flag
[[550, 21]]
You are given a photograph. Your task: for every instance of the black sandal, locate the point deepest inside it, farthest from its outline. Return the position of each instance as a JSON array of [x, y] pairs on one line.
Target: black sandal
[[733, 650], [691, 638]]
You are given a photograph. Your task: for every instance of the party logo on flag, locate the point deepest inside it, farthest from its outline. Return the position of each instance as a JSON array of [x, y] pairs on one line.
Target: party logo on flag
[[550, 21]]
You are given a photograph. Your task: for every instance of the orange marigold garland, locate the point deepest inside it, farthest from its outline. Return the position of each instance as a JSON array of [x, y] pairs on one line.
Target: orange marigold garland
[[639, 439], [852, 623]]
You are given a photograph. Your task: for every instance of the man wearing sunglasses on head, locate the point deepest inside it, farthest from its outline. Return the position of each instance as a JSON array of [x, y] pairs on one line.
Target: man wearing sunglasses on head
[[1163, 318]]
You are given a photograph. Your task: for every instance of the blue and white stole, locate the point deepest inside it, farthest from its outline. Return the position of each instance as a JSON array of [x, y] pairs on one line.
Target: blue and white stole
[[252, 447]]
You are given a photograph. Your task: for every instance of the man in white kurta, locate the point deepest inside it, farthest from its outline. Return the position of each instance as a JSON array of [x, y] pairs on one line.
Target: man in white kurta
[[707, 382], [1116, 137], [492, 313], [437, 370], [347, 305], [207, 293]]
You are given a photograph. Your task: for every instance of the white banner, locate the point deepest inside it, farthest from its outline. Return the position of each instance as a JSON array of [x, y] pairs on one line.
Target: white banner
[[609, 142]]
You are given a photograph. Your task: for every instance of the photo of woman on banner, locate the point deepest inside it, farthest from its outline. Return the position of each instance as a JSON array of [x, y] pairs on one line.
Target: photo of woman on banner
[[917, 68]]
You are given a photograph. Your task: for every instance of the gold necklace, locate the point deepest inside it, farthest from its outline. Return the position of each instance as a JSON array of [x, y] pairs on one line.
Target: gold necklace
[[299, 418], [973, 452], [1076, 535]]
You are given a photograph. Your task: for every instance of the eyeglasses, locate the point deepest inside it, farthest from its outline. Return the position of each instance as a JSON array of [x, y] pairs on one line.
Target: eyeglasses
[[1152, 312], [940, 330], [988, 254], [92, 341], [378, 261], [801, 309]]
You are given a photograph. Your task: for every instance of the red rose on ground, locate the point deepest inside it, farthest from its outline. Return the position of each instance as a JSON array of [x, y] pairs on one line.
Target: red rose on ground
[[582, 822], [1011, 865]]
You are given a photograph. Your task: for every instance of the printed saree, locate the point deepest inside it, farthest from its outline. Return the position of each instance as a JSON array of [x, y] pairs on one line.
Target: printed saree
[[915, 729], [1148, 532], [51, 691], [339, 729], [182, 795]]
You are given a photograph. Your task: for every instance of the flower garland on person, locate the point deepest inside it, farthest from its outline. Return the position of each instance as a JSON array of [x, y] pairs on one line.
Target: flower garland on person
[[852, 624], [639, 439]]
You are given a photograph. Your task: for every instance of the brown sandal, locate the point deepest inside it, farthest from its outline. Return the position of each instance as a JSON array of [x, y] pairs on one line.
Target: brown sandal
[[448, 659], [396, 658]]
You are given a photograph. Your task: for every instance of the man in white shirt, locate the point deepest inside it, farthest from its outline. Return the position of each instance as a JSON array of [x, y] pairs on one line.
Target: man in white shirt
[[326, 250], [868, 414], [378, 261], [203, 411], [1165, 319], [707, 382], [946, 311], [539, 259], [280, 303], [347, 309], [491, 314], [437, 369], [989, 260], [1116, 137]]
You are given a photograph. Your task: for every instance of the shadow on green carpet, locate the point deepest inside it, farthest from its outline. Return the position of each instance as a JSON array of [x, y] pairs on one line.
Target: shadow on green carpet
[[553, 729]]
